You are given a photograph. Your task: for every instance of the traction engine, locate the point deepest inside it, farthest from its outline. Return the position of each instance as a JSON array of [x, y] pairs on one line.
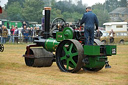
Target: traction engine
[[65, 45]]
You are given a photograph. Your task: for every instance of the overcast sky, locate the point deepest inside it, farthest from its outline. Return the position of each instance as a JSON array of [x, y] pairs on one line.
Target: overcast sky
[[89, 2], [92, 2], [2, 2]]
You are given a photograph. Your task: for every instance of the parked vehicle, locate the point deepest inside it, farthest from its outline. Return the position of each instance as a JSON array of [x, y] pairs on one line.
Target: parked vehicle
[[119, 37]]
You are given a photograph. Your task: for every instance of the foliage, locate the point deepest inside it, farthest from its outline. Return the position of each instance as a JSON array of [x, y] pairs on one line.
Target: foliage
[[14, 11], [102, 14], [123, 3], [56, 13], [12, 1], [110, 5], [70, 12], [32, 10], [3, 15]]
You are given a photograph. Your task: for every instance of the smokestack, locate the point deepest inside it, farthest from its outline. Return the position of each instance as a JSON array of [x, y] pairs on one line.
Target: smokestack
[[47, 22]]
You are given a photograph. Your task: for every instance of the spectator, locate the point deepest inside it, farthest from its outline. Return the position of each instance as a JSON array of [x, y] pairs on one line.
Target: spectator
[[37, 31], [16, 33], [111, 34], [30, 34], [43, 27], [0, 33], [25, 34], [4, 34], [24, 24], [12, 32], [98, 34], [34, 31], [43, 20]]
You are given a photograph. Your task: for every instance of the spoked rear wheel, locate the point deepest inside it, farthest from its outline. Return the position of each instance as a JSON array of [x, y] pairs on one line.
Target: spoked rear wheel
[[69, 56]]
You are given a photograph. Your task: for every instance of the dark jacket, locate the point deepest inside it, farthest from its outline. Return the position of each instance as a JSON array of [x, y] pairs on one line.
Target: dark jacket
[[25, 33], [98, 34], [30, 32], [89, 19]]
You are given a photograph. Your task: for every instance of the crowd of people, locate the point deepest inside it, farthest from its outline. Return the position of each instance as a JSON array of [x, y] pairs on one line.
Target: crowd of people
[[25, 35]]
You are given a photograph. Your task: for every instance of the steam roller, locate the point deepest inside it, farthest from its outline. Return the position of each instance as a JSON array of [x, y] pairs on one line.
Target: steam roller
[[64, 45]]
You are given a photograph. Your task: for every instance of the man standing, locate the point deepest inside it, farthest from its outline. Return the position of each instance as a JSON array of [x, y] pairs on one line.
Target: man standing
[[25, 34], [111, 34], [12, 32], [4, 34], [0, 33], [16, 33], [89, 19], [30, 33]]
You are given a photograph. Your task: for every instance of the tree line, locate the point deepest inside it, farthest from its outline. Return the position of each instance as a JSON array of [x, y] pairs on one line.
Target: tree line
[[31, 10]]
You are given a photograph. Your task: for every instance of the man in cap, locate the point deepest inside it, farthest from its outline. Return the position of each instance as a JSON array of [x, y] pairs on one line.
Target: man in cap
[[89, 19]]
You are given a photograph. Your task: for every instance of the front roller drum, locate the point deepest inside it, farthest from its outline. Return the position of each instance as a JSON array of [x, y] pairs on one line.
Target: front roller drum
[[42, 58], [69, 55]]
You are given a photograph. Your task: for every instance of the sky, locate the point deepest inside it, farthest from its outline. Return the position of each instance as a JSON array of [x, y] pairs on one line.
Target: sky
[[2, 2], [92, 2], [89, 2]]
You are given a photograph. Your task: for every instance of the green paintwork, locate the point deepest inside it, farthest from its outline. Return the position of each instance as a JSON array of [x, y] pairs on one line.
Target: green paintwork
[[67, 33], [96, 61], [51, 44], [111, 49], [91, 50], [69, 60], [59, 36]]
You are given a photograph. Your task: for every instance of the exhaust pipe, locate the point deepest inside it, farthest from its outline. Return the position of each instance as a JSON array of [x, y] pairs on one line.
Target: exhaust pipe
[[47, 22]]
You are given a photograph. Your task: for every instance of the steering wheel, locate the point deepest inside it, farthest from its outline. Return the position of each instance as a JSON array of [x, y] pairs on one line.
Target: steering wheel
[[57, 24]]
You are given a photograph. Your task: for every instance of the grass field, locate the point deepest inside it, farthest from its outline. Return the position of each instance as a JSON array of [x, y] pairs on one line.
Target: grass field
[[13, 70]]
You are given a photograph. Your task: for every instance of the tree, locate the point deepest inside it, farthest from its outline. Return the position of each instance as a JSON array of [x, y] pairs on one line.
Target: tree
[[67, 16], [76, 16], [53, 2], [55, 13], [12, 1], [102, 14], [32, 10], [3, 15], [110, 5], [14, 11], [123, 3]]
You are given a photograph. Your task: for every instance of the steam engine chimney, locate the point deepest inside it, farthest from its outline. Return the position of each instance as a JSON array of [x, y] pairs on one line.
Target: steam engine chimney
[[47, 22]]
